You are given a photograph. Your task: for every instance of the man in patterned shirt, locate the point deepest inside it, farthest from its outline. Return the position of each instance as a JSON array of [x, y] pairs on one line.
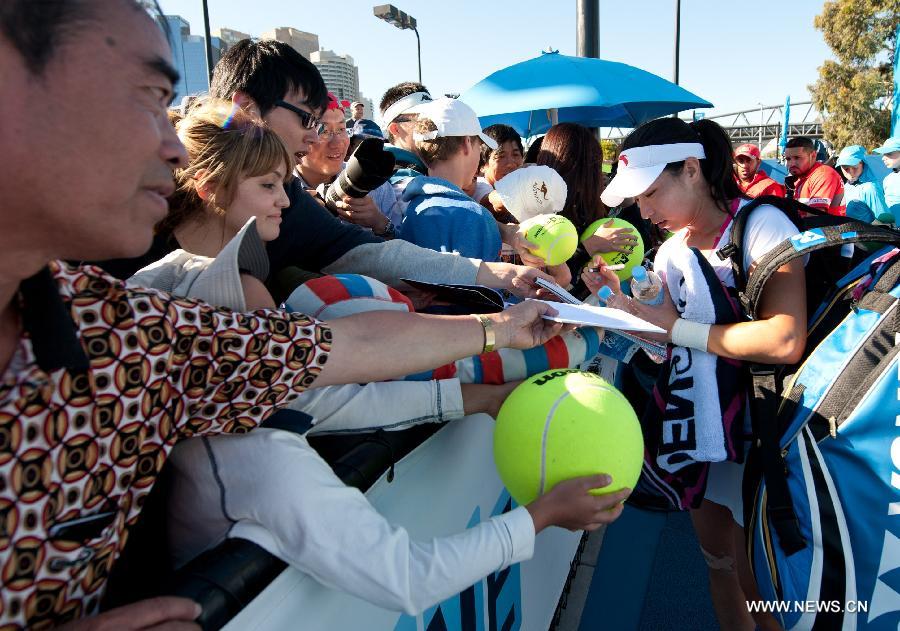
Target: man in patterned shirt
[[98, 382]]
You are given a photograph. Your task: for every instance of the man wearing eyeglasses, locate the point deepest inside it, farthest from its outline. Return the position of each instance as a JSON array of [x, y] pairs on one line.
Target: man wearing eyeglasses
[[379, 211]]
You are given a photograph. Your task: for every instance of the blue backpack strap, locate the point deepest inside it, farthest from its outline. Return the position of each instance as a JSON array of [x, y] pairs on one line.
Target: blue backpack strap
[[849, 232], [734, 249]]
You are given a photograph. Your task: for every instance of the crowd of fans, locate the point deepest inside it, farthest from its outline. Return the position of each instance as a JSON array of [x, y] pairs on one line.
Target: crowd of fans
[[168, 277]]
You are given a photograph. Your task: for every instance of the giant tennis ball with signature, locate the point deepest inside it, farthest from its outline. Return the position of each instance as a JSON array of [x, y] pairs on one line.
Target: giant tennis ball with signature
[[562, 424]]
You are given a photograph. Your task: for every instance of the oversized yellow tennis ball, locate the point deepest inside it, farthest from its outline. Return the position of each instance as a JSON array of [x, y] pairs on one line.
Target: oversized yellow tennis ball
[[562, 424], [629, 259], [555, 237]]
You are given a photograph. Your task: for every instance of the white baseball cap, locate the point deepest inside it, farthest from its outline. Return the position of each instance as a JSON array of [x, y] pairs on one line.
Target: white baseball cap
[[640, 166], [452, 117], [532, 190]]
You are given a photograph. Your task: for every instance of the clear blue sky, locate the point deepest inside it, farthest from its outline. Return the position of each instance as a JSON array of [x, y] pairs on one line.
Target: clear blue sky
[[732, 54]]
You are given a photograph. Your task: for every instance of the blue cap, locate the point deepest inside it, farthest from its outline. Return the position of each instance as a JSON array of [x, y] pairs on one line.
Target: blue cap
[[366, 128], [639, 273], [851, 156], [890, 145], [604, 293]]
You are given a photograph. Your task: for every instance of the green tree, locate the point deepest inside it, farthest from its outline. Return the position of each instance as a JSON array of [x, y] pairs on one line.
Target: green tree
[[853, 92], [610, 149]]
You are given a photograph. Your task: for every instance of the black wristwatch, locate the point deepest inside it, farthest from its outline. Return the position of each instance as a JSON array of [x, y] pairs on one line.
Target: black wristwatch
[[388, 233]]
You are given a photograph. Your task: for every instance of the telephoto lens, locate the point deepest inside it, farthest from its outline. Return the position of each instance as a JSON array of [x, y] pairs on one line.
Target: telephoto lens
[[369, 167]]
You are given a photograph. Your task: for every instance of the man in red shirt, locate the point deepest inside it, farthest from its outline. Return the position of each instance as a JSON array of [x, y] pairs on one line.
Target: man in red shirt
[[810, 181], [752, 181]]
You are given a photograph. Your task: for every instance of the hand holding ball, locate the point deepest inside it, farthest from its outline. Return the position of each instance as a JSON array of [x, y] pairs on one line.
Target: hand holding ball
[[555, 237], [562, 424], [628, 259]]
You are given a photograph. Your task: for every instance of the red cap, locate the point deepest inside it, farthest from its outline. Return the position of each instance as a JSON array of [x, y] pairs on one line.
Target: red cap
[[747, 149], [335, 104]]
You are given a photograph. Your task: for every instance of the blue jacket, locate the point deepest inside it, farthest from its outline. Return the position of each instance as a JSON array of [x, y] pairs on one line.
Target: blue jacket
[[864, 198], [441, 217], [892, 193]]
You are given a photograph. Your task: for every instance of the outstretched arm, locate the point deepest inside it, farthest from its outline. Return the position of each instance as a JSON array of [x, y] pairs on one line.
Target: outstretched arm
[[382, 345]]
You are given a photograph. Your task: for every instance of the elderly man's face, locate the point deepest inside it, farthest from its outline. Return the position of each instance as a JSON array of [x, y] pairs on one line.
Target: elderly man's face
[[89, 150]]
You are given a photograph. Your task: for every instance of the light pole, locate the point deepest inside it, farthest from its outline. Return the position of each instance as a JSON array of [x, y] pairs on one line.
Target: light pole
[[394, 16], [209, 61], [761, 124], [677, 53]]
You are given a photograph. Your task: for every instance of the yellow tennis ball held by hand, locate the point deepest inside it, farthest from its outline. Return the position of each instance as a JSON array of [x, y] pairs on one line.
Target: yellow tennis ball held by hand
[[628, 259], [566, 423], [554, 236]]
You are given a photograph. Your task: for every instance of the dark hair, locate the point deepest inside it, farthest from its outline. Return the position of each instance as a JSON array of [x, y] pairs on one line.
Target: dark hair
[[798, 142], [397, 92], [37, 28], [500, 133], [533, 150], [267, 70], [575, 153], [717, 167]]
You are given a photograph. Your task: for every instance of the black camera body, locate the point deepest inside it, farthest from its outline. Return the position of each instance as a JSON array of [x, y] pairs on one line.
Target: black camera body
[[369, 167]]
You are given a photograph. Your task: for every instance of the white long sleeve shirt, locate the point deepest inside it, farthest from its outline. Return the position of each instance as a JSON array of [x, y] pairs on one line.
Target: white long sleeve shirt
[[272, 488], [400, 404]]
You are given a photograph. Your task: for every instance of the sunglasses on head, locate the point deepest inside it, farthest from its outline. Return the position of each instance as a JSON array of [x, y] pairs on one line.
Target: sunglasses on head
[[308, 120]]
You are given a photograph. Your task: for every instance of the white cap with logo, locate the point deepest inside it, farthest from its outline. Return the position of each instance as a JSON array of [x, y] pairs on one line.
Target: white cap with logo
[[452, 117], [531, 191], [640, 166]]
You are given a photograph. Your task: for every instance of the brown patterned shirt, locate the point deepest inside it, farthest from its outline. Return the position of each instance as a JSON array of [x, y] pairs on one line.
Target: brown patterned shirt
[[102, 384]]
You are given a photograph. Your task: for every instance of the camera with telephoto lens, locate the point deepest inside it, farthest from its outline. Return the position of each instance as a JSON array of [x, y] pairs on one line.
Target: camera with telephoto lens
[[369, 167]]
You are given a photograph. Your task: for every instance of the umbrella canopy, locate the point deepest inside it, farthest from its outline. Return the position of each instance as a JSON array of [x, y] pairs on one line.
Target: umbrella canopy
[[529, 95]]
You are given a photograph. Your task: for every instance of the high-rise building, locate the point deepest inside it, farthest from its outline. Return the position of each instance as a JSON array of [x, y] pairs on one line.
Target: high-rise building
[[339, 72], [189, 52], [229, 37], [301, 41]]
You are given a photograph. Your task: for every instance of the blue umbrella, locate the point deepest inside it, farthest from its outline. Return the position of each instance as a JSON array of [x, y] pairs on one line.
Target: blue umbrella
[[530, 96]]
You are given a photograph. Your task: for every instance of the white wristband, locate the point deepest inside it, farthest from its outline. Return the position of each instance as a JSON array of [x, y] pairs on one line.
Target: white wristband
[[690, 334]]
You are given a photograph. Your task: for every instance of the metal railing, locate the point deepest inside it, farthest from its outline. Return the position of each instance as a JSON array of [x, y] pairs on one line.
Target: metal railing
[[758, 124]]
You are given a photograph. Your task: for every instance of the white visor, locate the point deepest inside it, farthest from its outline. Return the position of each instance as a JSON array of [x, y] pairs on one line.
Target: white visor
[[640, 166], [402, 106]]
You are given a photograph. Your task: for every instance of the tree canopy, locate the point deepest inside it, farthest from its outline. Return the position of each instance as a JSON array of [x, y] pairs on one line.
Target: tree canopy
[[853, 93]]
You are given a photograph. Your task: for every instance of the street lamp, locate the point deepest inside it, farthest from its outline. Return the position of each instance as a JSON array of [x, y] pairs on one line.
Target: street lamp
[[761, 124], [394, 16]]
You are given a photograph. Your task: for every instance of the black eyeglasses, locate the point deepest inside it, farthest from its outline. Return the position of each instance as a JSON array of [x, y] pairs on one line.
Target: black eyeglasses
[[306, 119]]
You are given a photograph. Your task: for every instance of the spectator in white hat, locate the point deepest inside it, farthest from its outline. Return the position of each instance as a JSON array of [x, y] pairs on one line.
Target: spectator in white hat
[[439, 214]]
